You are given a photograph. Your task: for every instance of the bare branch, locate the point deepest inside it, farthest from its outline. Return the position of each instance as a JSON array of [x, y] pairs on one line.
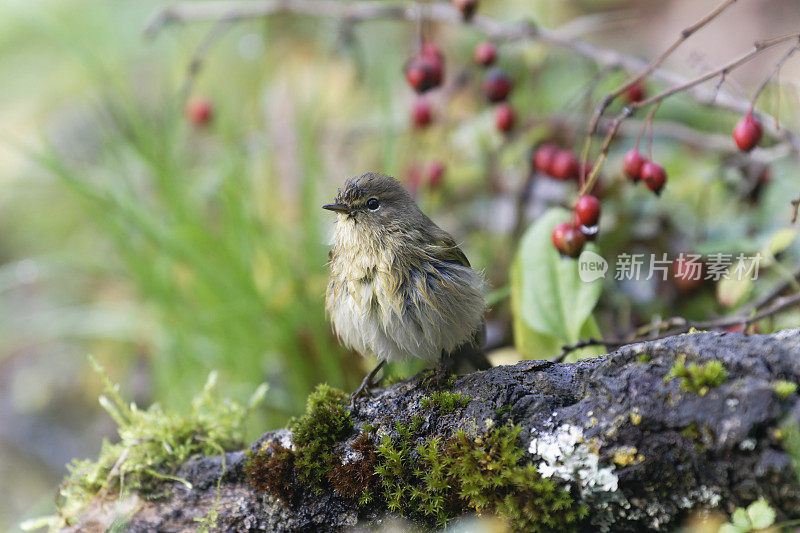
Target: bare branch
[[757, 49], [678, 325], [636, 78]]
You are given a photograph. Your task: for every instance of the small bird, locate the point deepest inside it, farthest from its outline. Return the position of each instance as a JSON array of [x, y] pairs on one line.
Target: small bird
[[399, 285]]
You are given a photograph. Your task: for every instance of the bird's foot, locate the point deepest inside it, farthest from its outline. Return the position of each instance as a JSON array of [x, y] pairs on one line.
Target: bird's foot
[[438, 378], [366, 385]]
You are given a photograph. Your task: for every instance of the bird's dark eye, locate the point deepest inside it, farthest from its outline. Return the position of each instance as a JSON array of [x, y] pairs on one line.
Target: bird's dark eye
[[373, 204]]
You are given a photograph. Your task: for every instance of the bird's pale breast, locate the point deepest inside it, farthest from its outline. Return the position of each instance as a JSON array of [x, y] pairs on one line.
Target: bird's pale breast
[[382, 305]]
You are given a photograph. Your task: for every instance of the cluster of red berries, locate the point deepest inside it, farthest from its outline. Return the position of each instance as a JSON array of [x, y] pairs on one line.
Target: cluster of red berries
[[638, 168], [556, 162], [426, 71], [496, 88], [569, 238]]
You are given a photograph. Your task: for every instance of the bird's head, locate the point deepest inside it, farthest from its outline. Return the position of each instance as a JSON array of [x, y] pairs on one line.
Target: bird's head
[[377, 203]]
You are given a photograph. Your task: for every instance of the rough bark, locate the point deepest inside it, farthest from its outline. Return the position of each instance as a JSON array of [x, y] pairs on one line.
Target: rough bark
[[668, 450]]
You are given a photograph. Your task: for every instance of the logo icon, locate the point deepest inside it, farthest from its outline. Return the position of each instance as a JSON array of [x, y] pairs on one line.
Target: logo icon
[[591, 266]]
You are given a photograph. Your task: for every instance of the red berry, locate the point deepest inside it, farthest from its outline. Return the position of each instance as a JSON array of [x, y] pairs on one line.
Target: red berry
[[543, 157], [421, 113], [632, 164], [636, 92], [587, 208], [654, 176], [435, 174], [504, 117], [467, 7], [568, 240], [423, 73], [496, 85], [199, 110], [747, 132], [687, 273], [564, 166], [485, 54], [434, 54], [558, 234]]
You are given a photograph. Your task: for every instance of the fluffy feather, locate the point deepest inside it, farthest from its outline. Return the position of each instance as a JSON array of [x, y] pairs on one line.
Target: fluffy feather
[[399, 284]]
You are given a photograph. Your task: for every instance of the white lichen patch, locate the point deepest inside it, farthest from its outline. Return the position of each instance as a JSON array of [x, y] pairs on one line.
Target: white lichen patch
[[748, 444], [284, 438], [565, 455]]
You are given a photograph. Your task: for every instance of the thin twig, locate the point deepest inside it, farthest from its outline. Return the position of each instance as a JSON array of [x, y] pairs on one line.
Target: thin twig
[[198, 57], [757, 49], [677, 325], [775, 70], [651, 67]]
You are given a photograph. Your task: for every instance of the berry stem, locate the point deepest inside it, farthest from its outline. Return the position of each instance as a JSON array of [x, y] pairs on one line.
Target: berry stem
[[773, 74], [636, 78], [420, 22], [648, 124]]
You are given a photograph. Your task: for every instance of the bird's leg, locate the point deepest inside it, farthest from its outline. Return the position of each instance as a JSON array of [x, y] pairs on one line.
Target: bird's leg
[[441, 372], [366, 384]]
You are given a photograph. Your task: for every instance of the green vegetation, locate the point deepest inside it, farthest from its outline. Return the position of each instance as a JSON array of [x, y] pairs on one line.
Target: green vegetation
[[437, 480], [153, 444], [784, 389], [759, 515], [445, 401], [429, 480], [325, 422], [698, 378], [644, 358]]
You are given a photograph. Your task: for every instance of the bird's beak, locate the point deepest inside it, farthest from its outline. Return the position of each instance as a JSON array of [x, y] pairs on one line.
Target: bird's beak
[[339, 208]]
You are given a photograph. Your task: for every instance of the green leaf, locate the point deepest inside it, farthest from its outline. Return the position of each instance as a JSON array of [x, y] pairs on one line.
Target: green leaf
[[731, 291], [761, 514], [779, 242], [550, 303], [740, 519]]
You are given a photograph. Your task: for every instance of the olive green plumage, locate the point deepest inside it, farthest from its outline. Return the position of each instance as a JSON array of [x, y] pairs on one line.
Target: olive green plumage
[[399, 285]]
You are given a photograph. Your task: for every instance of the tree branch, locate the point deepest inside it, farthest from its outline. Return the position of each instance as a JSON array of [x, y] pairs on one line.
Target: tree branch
[[678, 325]]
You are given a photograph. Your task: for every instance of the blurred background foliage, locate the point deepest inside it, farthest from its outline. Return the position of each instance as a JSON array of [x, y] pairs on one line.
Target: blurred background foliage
[[167, 250]]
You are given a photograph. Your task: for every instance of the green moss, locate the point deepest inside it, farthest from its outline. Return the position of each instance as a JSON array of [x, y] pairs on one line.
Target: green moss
[[445, 401], [429, 480], [644, 358], [325, 422], [784, 389], [436, 480], [691, 431], [153, 444], [698, 378]]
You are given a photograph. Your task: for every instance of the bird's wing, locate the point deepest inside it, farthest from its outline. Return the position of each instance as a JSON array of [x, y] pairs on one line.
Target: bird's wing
[[450, 252]]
